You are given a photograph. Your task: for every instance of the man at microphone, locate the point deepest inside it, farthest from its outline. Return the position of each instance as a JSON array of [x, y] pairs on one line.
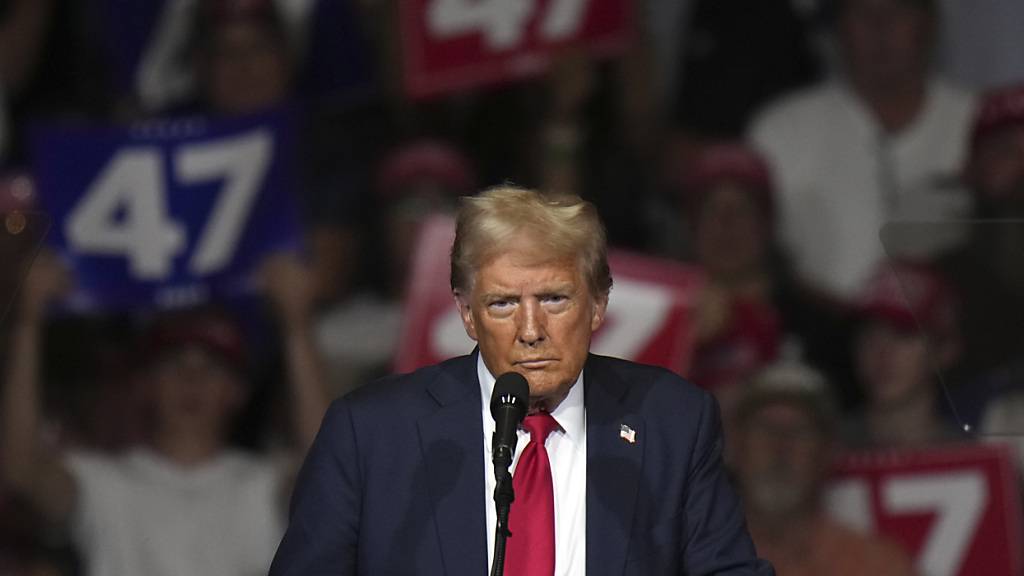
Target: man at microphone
[[616, 466]]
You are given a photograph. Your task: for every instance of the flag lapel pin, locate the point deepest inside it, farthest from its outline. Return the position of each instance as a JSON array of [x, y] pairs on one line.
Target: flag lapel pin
[[627, 433]]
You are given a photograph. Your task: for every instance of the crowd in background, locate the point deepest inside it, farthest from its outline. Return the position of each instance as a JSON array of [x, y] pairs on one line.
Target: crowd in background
[[767, 143]]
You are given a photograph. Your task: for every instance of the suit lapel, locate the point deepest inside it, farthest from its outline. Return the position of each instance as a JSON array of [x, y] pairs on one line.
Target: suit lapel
[[451, 440], [613, 468]]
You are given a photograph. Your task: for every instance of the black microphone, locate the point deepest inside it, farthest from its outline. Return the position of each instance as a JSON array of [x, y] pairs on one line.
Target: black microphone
[[509, 403], [510, 400]]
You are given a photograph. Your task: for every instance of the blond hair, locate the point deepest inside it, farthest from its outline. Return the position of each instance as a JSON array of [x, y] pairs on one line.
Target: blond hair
[[559, 227]]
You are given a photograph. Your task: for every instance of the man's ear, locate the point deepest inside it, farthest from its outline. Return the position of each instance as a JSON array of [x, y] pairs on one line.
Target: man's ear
[[600, 307], [466, 313]]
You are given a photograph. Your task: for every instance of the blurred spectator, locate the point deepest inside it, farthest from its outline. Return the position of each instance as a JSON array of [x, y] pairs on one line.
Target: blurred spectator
[[885, 141], [907, 337], [182, 501], [246, 65], [416, 181], [729, 203], [987, 270], [785, 450], [152, 62], [750, 301], [988, 273], [242, 55]]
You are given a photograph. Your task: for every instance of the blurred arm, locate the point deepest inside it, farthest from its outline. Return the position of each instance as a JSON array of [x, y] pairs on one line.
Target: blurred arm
[[290, 286], [334, 255], [26, 466]]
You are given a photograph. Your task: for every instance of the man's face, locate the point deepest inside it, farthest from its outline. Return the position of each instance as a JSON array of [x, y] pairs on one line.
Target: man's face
[[892, 363], [885, 42], [248, 70], [731, 233], [782, 458], [534, 317], [195, 390]]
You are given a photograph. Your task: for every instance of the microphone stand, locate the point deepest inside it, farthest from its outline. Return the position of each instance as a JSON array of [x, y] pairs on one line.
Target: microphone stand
[[503, 497]]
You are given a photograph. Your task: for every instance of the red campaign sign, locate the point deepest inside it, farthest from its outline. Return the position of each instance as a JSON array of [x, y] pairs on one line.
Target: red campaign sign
[[956, 509], [450, 45], [648, 317]]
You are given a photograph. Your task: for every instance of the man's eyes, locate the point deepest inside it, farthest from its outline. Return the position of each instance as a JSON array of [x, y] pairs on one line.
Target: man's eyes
[[508, 303]]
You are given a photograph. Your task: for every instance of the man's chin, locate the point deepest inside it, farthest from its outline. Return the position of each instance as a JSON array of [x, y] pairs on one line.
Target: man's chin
[[545, 394]]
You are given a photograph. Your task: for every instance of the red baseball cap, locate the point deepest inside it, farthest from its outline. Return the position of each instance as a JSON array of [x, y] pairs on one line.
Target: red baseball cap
[[910, 296], [430, 160], [727, 162], [209, 329], [1000, 108]]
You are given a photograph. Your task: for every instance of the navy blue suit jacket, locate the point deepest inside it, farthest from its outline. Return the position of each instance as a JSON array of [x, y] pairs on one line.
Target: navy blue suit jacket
[[394, 483]]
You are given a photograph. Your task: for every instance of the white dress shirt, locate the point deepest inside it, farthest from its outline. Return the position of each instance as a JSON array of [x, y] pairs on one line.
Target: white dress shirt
[[567, 451]]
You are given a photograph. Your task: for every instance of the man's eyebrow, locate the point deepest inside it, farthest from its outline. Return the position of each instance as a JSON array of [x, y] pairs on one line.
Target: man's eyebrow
[[566, 288], [499, 295]]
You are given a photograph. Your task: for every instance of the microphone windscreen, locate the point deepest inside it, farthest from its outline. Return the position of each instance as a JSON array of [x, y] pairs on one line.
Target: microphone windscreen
[[510, 389]]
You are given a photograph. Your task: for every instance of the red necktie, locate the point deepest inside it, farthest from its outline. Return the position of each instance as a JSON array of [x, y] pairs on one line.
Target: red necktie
[[531, 547]]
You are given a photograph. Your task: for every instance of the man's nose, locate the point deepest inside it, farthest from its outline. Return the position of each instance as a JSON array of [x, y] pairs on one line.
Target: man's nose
[[531, 324]]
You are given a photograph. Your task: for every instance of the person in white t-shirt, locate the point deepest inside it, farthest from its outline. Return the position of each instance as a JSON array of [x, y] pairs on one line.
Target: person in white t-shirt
[[883, 142], [182, 502]]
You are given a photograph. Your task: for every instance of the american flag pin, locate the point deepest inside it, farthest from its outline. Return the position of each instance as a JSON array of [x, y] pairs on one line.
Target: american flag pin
[[627, 433]]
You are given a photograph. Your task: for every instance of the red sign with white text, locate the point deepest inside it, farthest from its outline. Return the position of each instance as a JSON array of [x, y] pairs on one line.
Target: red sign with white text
[[648, 317], [450, 45], [956, 509]]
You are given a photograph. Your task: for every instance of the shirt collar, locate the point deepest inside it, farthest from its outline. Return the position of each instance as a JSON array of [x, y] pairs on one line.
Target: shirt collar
[[569, 413]]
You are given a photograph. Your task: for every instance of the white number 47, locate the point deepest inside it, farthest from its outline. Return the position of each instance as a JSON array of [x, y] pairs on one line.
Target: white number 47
[[502, 23], [124, 211]]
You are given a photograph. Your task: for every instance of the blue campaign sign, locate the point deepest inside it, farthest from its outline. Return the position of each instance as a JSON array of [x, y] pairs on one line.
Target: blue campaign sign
[[169, 212]]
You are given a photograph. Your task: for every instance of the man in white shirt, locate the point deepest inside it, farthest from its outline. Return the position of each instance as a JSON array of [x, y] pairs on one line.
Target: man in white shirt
[[884, 142]]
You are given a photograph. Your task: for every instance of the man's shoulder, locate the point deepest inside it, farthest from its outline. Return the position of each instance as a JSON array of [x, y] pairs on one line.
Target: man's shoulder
[[650, 381], [391, 395]]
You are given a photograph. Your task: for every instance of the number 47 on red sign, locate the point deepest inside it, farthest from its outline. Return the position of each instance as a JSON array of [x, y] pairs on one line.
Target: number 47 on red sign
[[503, 23]]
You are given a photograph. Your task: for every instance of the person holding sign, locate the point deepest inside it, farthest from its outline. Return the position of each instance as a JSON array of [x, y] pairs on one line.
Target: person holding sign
[[183, 502], [628, 478]]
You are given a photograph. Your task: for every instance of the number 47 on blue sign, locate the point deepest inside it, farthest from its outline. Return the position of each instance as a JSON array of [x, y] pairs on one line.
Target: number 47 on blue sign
[[172, 206]]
